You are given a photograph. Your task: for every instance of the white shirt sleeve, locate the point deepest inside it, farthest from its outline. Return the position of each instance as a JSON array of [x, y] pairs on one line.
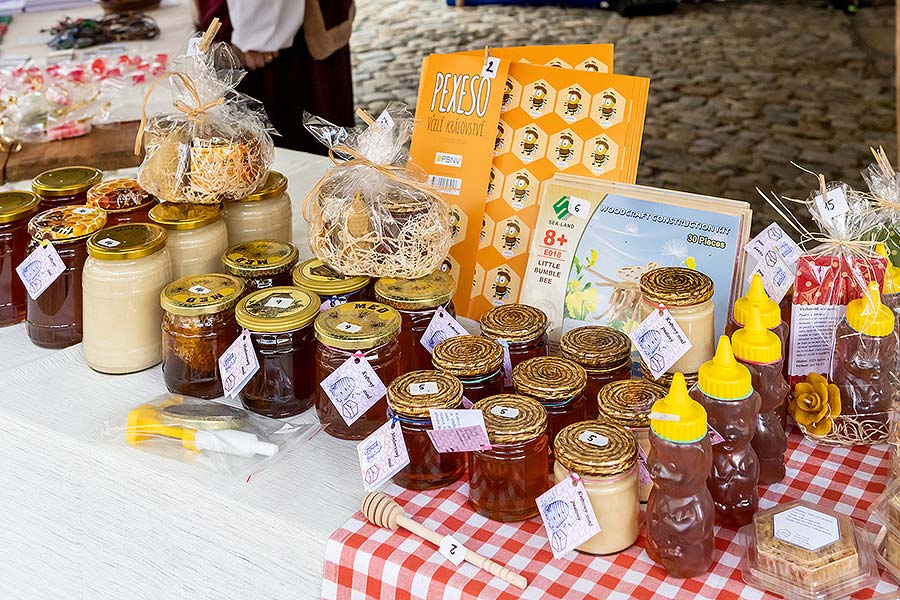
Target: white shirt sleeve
[[265, 25]]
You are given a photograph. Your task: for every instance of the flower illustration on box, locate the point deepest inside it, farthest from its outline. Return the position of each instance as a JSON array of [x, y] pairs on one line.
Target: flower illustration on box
[[581, 296]]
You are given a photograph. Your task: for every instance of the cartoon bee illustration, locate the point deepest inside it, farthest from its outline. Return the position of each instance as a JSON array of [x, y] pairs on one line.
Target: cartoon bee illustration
[[507, 92], [491, 184], [511, 235], [555, 63], [483, 230], [573, 102], [498, 142], [591, 66], [520, 188], [538, 96], [607, 106], [529, 141], [564, 147], [454, 223], [501, 284], [446, 266], [600, 155]]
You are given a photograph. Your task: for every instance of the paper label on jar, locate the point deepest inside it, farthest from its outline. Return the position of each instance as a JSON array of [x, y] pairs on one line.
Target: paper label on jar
[[382, 455], [441, 327], [452, 550], [237, 365], [507, 363], [643, 468], [593, 438], [108, 243], [40, 269], [425, 388], [714, 436], [661, 341], [353, 388], [466, 403], [348, 327], [806, 528], [507, 412], [84, 211], [279, 302], [442, 418], [568, 515], [472, 438], [198, 289]]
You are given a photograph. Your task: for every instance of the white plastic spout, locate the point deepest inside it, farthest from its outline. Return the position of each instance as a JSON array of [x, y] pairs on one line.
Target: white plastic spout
[[236, 443]]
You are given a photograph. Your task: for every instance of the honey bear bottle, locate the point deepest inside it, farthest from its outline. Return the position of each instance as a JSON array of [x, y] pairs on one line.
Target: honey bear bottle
[[769, 311], [726, 392], [759, 350], [680, 509]]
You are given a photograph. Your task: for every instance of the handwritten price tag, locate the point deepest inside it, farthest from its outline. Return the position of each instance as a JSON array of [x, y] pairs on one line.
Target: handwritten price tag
[[40, 269], [441, 327], [661, 341], [568, 516], [353, 388], [237, 365], [382, 455]]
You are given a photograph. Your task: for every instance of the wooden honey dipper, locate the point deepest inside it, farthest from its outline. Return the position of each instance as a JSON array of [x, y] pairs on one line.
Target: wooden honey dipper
[[381, 510]]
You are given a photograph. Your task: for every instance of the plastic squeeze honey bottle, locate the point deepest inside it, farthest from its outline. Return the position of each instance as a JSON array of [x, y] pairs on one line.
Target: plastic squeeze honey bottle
[[726, 392], [769, 311], [680, 509], [759, 350]]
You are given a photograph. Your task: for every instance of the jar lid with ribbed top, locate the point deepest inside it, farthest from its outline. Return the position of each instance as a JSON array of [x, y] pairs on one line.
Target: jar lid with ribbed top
[[65, 181], [17, 204], [66, 223], [595, 346], [549, 378], [628, 402], [665, 380], [274, 186], [595, 449], [431, 291], [414, 394], [357, 325], [513, 323], [676, 286], [511, 418], [198, 295], [127, 242], [317, 276], [119, 194], [259, 258], [183, 216], [277, 309], [468, 356]]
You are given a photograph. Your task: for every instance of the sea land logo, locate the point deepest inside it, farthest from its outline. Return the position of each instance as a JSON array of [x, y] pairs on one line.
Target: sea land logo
[[561, 208]]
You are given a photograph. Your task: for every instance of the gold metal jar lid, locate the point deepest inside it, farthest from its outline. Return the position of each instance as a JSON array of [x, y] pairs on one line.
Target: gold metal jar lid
[[127, 242], [119, 194], [510, 418], [676, 286], [426, 292], [198, 295], [317, 276], [259, 258], [66, 223], [514, 323], [467, 356], [665, 380], [549, 378], [179, 217], [357, 325], [414, 394], [65, 181], [628, 402], [596, 346], [595, 449], [16, 205], [277, 309], [274, 186], [188, 412]]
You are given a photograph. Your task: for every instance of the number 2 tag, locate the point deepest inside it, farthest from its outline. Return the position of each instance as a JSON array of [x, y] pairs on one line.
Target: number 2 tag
[[489, 71], [452, 550]]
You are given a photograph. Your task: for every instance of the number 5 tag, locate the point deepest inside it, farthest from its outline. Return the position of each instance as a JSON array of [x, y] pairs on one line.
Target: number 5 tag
[[452, 550]]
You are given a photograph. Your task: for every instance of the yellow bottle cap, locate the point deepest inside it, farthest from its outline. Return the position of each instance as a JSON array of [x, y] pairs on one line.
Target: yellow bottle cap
[[754, 343], [681, 418], [869, 316], [891, 275], [756, 296], [723, 377]]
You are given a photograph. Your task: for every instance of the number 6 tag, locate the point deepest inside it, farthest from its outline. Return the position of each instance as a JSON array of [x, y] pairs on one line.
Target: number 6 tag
[[452, 550]]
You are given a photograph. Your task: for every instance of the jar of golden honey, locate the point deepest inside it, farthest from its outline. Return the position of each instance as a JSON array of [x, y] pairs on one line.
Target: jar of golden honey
[[417, 301], [16, 208], [263, 215], [476, 361], [197, 237], [411, 397], [522, 329], [261, 264], [333, 288], [198, 327], [505, 481], [65, 186], [603, 352], [357, 331], [123, 200]]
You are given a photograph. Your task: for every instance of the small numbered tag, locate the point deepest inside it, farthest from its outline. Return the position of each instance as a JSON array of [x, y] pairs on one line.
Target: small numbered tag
[[661, 341], [489, 70], [714, 436], [593, 438], [643, 468], [441, 327], [385, 121], [452, 550], [193, 47], [658, 416], [40, 269], [348, 327], [237, 365], [425, 388], [507, 412], [198, 289], [382, 455], [353, 388], [108, 243], [280, 302], [507, 363], [579, 208], [84, 211], [834, 204], [568, 515]]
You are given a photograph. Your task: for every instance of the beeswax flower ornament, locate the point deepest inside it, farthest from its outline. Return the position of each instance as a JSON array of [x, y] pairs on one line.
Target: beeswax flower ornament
[[815, 404]]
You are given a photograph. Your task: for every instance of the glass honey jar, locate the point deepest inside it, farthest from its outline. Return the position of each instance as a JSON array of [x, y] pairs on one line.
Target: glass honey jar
[[411, 397], [357, 330], [519, 327], [263, 215], [558, 384], [603, 352], [628, 403], [65, 186], [688, 295], [54, 319], [476, 361], [505, 481], [123, 200], [604, 456], [417, 301], [16, 208], [333, 288], [198, 326], [280, 322], [261, 264], [197, 236]]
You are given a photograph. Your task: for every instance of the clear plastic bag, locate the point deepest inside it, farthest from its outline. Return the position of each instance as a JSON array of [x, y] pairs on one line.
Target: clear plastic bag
[[372, 213], [215, 143], [884, 186], [207, 433]]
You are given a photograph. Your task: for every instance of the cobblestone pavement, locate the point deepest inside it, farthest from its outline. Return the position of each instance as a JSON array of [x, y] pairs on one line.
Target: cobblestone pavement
[[739, 89]]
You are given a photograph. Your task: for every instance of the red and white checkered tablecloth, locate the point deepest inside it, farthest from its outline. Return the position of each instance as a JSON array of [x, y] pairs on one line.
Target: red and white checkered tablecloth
[[363, 561]]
